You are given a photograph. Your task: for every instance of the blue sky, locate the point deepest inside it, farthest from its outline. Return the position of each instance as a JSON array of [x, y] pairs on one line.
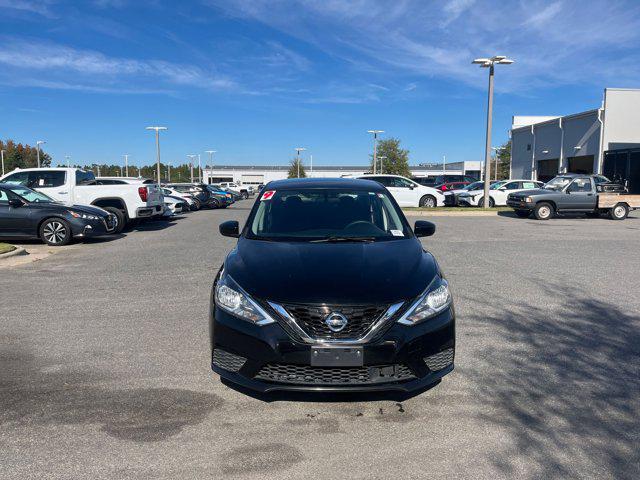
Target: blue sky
[[253, 79]]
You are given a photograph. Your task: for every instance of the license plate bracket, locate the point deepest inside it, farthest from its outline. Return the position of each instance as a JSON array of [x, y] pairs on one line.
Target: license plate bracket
[[337, 356]]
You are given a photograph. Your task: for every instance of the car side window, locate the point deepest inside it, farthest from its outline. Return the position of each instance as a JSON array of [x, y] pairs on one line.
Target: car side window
[[386, 181], [85, 178], [19, 178], [580, 185], [511, 186], [401, 183], [47, 179], [529, 185], [4, 199]]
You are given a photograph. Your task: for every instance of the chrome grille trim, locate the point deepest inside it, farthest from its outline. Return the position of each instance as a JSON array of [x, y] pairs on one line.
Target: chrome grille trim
[[291, 323]]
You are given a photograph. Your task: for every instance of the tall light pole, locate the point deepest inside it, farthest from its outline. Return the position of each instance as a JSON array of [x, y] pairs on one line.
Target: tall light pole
[[489, 63], [298, 150], [495, 172], [38, 143], [375, 146], [157, 130], [2, 155], [210, 152], [126, 164], [444, 166], [382, 158], [199, 170], [191, 157]]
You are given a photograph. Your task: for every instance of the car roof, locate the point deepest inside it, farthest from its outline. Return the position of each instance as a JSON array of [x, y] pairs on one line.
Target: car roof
[[355, 183]]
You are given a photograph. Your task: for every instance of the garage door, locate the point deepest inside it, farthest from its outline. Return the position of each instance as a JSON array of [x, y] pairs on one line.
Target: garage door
[[252, 179], [547, 169]]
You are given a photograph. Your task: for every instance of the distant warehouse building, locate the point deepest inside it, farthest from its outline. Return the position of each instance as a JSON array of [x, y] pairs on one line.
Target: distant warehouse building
[[605, 140], [257, 174]]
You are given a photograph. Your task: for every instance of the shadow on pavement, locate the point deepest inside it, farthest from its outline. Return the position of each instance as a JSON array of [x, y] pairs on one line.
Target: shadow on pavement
[[47, 393], [564, 385]]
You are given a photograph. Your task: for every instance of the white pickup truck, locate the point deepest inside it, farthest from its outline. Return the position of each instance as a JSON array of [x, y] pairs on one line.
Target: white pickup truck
[[76, 186]]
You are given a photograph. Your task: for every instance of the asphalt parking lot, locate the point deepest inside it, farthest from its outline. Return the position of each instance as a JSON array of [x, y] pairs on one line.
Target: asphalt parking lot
[[104, 365]]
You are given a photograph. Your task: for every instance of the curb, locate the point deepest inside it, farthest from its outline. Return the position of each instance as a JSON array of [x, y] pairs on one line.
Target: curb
[[13, 253], [436, 213]]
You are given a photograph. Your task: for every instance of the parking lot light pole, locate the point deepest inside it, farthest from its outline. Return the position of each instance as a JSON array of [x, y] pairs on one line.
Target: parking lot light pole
[[375, 146], [38, 143], [191, 157], [157, 130], [489, 63], [2, 154], [298, 150], [126, 164], [382, 158]]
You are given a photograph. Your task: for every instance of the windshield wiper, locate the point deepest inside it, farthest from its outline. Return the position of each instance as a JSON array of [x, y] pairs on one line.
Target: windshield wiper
[[336, 238]]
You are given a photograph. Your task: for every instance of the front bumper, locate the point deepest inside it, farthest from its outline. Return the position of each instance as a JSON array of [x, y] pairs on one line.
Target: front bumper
[[520, 204], [468, 201], [266, 358], [82, 228]]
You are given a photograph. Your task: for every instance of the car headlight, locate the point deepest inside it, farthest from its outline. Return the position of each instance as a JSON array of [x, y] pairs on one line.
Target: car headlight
[[85, 216], [435, 300], [233, 299]]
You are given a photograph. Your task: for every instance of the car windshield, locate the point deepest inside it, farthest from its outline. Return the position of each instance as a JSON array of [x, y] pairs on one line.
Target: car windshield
[[558, 183], [31, 196], [473, 186], [326, 214]]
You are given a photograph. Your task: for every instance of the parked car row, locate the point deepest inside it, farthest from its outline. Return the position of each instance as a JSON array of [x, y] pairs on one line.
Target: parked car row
[[58, 205]]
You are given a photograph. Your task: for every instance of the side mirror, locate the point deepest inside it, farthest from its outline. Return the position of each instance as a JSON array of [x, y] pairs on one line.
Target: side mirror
[[230, 229], [15, 202], [423, 228]]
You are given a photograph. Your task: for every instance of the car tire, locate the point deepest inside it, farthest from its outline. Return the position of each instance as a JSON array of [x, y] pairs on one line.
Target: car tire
[[214, 203], [428, 201], [523, 213], [121, 219], [245, 196], [619, 212], [543, 211], [55, 231], [492, 203]]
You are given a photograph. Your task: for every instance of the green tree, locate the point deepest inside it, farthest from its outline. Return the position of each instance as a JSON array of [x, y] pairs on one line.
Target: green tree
[[296, 169], [395, 160], [504, 161]]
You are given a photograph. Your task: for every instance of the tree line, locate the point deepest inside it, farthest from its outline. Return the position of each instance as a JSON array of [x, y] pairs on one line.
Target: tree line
[[18, 155]]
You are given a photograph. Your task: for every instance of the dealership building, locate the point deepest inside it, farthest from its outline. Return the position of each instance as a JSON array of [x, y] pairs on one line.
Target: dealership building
[[257, 174], [604, 140]]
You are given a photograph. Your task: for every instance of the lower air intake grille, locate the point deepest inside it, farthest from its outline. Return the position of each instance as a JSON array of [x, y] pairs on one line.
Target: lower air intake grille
[[440, 360], [304, 374], [227, 360]]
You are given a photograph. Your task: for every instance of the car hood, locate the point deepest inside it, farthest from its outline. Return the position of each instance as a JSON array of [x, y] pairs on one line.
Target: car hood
[[332, 273], [535, 191], [76, 208]]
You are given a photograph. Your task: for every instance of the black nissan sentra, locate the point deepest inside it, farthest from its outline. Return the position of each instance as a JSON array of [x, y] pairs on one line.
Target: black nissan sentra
[[329, 289]]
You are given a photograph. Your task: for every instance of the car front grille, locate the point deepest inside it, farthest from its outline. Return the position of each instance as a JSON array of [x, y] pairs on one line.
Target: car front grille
[[227, 361], [440, 360], [305, 374], [311, 318]]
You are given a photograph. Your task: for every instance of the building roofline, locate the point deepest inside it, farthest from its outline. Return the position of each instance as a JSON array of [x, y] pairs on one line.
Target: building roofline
[[557, 119]]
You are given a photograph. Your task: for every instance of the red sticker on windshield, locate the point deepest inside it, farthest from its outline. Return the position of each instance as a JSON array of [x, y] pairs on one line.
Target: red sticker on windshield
[[267, 195]]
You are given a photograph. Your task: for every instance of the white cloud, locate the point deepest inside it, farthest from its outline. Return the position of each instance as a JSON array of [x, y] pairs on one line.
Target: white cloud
[[553, 42], [41, 7], [544, 16], [94, 71]]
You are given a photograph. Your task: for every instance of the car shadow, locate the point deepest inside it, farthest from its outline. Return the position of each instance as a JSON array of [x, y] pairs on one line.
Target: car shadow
[[152, 225], [327, 397]]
